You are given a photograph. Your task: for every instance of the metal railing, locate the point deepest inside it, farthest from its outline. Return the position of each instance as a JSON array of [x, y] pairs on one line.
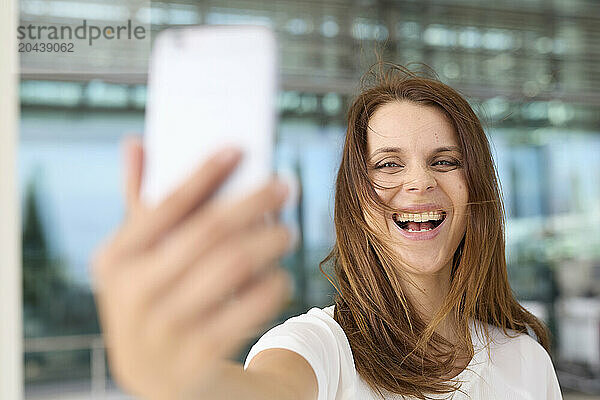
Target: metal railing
[[93, 343]]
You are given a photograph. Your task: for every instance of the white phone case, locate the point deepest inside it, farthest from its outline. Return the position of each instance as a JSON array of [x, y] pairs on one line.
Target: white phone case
[[209, 87]]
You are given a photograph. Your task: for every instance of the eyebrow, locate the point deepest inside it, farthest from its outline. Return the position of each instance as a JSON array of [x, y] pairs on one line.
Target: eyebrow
[[401, 151]]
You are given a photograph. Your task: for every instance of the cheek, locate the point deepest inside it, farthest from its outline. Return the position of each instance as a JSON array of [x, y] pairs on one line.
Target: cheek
[[462, 192], [382, 193], [459, 196], [463, 195], [462, 206]]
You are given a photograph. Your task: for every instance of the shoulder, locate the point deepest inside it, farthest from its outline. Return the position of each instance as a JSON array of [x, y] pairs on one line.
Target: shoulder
[[315, 327], [320, 340], [517, 346], [315, 330], [517, 361]]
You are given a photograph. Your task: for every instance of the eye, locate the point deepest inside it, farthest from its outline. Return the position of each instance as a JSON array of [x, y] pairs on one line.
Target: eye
[[387, 164], [449, 163]]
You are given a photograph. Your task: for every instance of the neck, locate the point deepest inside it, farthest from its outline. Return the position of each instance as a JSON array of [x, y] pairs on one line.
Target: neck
[[427, 292]]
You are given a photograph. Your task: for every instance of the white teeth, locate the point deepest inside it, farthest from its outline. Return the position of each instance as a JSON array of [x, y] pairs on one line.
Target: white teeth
[[422, 230], [419, 217]]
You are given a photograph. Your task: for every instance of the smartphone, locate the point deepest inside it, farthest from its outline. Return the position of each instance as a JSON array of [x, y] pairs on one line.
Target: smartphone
[[210, 86]]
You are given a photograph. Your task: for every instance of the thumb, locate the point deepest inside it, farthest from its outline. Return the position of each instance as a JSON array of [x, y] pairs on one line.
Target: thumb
[[134, 164]]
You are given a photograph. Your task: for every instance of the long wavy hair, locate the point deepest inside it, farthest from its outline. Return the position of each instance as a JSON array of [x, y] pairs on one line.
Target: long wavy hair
[[393, 346]]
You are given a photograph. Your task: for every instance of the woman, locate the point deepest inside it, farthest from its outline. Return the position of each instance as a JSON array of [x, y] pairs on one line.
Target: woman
[[423, 310]]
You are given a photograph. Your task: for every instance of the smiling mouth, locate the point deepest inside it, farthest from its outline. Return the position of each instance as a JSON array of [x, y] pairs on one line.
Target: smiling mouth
[[421, 222]]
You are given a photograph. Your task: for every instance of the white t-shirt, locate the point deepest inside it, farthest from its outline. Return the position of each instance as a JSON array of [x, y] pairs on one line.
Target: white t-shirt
[[520, 368]]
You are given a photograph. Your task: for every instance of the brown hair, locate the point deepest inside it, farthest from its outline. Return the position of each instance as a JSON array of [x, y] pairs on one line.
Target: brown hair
[[393, 347]]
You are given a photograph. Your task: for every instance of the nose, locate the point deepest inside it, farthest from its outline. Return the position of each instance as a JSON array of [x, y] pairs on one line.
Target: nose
[[419, 180]]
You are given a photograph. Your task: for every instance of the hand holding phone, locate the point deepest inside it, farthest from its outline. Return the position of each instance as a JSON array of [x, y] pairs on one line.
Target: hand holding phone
[[191, 239], [164, 280]]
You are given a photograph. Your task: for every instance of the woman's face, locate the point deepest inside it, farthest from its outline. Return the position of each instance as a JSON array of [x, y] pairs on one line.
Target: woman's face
[[413, 151]]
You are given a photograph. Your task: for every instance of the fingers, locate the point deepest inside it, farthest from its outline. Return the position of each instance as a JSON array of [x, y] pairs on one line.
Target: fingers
[[152, 224], [134, 162], [225, 270], [214, 223]]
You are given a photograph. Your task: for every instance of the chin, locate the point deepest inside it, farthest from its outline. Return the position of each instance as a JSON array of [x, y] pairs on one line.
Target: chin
[[418, 263]]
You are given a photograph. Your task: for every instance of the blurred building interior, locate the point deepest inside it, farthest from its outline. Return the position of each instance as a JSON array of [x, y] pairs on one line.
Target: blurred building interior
[[529, 68]]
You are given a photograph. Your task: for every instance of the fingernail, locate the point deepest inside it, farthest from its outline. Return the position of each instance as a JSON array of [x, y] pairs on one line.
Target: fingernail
[[228, 155]]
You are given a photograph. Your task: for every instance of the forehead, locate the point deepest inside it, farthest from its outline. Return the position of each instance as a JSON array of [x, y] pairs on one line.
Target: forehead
[[409, 125]]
